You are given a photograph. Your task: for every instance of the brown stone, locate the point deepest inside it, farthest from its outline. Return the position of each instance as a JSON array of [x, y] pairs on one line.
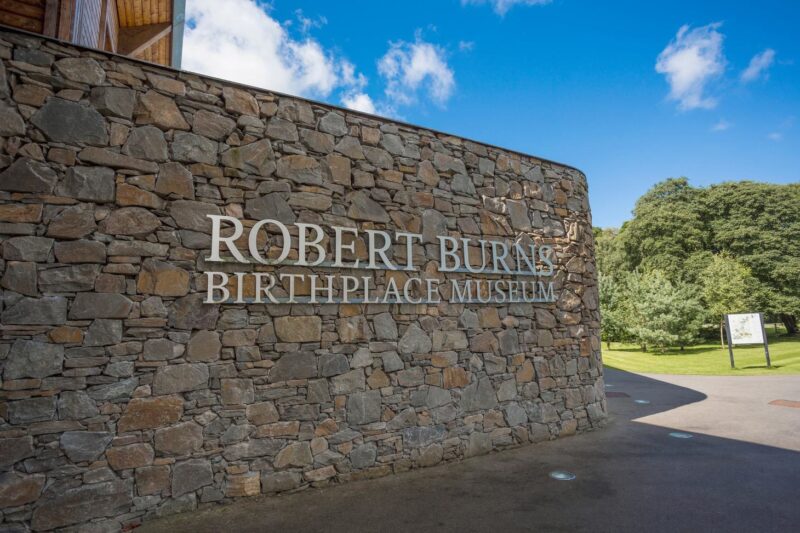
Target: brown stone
[[152, 479], [339, 168], [162, 279], [455, 377], [175, 181], [181, 439], [128, 195], [525, 373], [154, 108], [149, 413], [378, 380], [73, 222], [17, 489], [262, 413], [248, 484], [109, 158], [298, 328], [130, 456], [130, 221], [20, 213], [66, 335], [239, 101]]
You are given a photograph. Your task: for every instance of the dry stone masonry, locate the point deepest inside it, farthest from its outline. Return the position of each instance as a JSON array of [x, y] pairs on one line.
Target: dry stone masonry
[[125, 397]]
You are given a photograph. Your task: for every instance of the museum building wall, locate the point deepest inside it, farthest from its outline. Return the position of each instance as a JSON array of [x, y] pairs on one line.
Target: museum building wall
[[126, 396]]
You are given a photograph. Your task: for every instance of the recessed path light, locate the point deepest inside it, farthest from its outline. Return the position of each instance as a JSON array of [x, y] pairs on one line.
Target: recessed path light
[[562, 475], [681, 435], [643, 402]]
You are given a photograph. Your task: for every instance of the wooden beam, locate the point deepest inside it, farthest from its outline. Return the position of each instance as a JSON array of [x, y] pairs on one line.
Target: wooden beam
[[133, 40], [50, 26]]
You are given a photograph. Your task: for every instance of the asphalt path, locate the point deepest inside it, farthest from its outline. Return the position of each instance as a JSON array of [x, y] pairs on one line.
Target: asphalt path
[[739, 471]]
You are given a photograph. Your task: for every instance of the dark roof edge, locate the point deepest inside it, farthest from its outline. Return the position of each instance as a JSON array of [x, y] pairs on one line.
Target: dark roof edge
[[278, 93]]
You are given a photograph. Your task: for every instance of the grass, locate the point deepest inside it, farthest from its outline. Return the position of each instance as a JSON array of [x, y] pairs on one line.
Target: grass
[[709, 359]]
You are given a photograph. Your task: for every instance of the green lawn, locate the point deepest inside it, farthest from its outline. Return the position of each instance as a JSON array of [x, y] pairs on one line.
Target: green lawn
[[709, 359]]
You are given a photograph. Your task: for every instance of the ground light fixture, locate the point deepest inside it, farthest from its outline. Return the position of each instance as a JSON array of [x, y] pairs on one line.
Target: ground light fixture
[[680, 435], [562, 475], [643, 402]]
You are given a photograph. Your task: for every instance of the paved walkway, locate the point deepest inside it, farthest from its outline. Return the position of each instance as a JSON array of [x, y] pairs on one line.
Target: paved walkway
[[740, 472]]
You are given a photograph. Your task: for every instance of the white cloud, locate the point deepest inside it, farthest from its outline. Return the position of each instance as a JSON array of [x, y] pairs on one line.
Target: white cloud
[[466, 46], [501, 7], [759, 65], [411, 68], [721, 125], [690, 62], [237, 40], [775, 136], [359, 101]]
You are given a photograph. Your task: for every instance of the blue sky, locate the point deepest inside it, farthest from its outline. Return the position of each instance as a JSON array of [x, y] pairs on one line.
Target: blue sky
[[617, 89]]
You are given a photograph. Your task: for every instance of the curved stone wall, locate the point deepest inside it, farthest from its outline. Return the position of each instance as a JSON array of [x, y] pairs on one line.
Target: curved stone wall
[[125, 395]]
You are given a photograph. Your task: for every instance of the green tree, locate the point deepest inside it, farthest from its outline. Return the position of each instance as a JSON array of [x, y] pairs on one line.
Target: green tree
[[613, 308], [727, 288], [662, 313]]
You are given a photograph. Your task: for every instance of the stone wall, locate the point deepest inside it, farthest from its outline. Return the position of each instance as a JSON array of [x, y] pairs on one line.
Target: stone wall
[[125, 397]]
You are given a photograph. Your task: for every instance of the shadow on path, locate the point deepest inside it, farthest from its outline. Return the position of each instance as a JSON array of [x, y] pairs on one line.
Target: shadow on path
[[630, 477]]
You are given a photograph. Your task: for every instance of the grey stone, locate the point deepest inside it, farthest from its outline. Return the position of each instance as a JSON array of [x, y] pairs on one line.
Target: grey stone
[[134, 221], [31, 410], [109, 158], [507, 390], [76, 405], [175, 180], [317, 141], [294, 365], [81, 70], [103, 332], [189, 312], [81, 504], [188, 476], [405, 418], [431, 455], [114, 101], [272, 206], [445, 340], [191, 148], [468, 319], [347, 383], [509, 341], [418, 437], [28, 175], [45, 311], [212, 125], [180, 378], [479, 395], [120, 369], [414, 341], [378, 157], [350, 147], [99, 305], [515, 415], [333, 364], [192, 215], [364, 456], [445, 163], [391, 361], [15, 449], [333, 123], [70, 122], [82, 446], [20, 277], [74, 222], [392, 143], [434, 224], [256, 157], [385, 327], [120, 390], [280, 481], [11, 122], [518, 211], [462, 184], [318, 391], [33, 359], [411, 377], [90, 184], [479, 444], [80, 251], [253, 448], [362, 207], [147, 142], [364, 407], [69, 278], [161, 350], [544, 319], [437, 397], [281, 129], [36, 249]]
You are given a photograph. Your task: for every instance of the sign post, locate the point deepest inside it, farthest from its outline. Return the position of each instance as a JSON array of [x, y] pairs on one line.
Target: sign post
[[746, 328]]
